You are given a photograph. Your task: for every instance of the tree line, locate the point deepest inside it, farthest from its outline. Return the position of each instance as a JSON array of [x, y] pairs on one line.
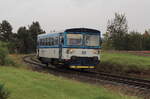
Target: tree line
[[118, 37], [24, 41]]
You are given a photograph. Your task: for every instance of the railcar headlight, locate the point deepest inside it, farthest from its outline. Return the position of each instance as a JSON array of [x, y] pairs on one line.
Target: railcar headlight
[[96, 51], [73, 57], [70, 51]]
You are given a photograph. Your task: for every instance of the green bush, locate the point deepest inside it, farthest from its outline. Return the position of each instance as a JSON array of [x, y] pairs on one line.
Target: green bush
[[9, 61], [4, 94], [4, 55]]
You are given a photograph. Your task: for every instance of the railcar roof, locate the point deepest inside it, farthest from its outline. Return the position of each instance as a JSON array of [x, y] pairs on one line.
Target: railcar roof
[[82, 30], [48, 34], [71, 30]]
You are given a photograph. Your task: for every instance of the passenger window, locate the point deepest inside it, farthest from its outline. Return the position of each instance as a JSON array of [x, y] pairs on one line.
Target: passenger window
[[52, 41], [41, 42], [44, 42], [49, 41]]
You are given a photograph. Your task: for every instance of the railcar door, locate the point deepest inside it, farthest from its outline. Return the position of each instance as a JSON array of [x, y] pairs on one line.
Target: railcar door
[[61, 41]]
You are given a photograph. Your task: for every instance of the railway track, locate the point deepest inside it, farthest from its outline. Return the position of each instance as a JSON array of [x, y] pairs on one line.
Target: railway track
[[91, 76]]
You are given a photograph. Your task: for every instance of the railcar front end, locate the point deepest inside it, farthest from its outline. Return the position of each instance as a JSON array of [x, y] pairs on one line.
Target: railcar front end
[[82, 48]]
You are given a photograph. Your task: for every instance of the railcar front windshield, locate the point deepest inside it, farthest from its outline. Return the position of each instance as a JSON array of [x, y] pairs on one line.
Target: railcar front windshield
[[75, 39], [83, 40], [92, 40]]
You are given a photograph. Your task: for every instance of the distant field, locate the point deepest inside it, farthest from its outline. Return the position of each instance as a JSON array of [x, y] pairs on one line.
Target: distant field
[[25, 84], [125, 61]]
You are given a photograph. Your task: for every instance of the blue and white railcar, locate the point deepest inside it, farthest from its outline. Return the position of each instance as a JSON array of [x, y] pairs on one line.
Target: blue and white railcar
[[75, 48]]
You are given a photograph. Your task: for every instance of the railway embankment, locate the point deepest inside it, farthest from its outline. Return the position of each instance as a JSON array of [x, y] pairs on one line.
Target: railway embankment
[[126, 63], [28, 84]]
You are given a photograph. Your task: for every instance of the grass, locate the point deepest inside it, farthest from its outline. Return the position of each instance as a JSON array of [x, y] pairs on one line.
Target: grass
[[18, 60], [25, 84], [126, 59], [124, 63]]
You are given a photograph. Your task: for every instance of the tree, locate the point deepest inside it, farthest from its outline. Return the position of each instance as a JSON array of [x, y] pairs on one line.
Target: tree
[[107, 42], [6, 31], [135, 41], [27, 38], [146, 40], [24, 40], [34, 30], [118, 29]]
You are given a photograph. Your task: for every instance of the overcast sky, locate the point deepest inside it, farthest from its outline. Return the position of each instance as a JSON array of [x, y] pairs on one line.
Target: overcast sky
[[62, 14]]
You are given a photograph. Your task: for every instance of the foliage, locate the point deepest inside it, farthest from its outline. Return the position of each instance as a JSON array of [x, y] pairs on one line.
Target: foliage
[[6, 35], [27, 38], [146, 40], [3, 53], [24, 41], [134, 41], [4, 58], [117, 29], [34, 30], [118, 38], [6, 31], [4, 94], [107, 42]]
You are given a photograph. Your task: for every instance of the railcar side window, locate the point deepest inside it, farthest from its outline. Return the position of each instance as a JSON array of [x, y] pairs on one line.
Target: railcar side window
[[42, 42], [49, 43], [52, 41], [46, 41]]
